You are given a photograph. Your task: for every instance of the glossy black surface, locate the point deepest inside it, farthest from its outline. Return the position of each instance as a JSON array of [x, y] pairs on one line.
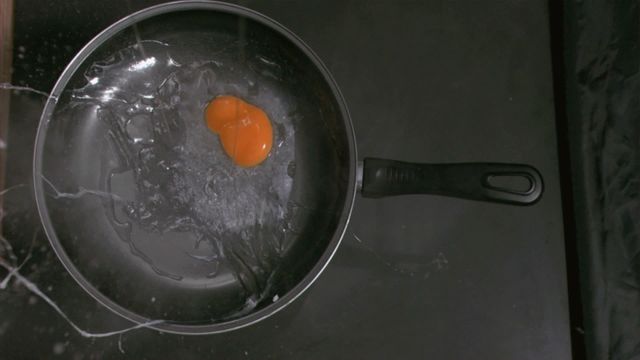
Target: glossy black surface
[[514, 184], [144, 269], [416, 277]]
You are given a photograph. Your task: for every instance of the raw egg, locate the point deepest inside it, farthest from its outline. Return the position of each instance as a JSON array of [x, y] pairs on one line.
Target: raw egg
[[244, 129]]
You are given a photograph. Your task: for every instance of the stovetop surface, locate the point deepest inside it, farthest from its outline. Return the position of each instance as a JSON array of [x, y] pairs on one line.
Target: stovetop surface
[[416, 277]]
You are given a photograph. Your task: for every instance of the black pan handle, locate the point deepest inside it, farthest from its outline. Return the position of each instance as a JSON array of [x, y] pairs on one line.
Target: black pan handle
[[475, 181]]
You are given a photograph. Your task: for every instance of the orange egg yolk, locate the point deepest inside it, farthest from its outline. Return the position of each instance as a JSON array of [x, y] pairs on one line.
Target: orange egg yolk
[[244, 129]]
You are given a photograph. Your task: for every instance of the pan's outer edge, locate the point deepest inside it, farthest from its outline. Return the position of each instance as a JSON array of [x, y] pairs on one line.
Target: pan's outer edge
[[38, 181]]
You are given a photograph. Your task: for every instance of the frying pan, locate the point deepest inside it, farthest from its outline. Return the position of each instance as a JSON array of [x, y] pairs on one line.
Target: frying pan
[[155, 222]]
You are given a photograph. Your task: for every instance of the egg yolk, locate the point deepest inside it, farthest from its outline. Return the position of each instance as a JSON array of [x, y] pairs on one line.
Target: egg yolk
[[244, 129]]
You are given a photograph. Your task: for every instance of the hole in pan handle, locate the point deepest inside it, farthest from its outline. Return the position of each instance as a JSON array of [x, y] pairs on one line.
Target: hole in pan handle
[[515, 184]]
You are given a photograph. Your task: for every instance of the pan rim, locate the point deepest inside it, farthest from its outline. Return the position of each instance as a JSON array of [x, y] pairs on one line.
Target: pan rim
[[76, 62]]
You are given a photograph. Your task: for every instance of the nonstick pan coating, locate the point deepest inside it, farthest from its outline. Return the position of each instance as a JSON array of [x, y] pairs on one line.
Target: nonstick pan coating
[[133, 191]]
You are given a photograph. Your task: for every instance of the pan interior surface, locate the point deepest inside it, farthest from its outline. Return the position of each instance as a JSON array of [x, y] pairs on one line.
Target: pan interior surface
[[141, 203]]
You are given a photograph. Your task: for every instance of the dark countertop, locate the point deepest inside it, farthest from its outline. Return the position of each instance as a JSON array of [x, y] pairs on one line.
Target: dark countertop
[[417, 276]]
